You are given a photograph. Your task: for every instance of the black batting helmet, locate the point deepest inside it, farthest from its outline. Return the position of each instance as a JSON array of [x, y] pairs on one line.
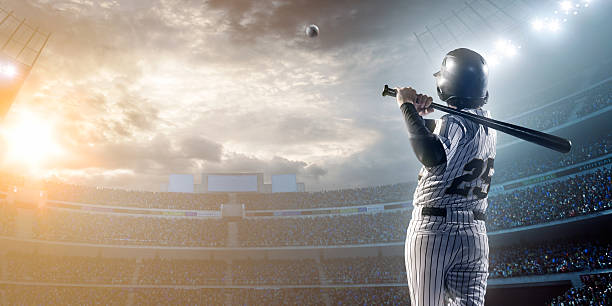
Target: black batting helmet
[[462, 79]]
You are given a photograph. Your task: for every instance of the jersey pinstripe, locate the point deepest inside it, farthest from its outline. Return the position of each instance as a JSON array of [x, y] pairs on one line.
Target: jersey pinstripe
[[447, 257], [463, 141]]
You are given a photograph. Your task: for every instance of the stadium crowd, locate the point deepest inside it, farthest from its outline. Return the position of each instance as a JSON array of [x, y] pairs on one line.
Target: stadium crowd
[[73, 269], [549, 258], [325, 230], [52, 224], [599, 100], [77, 272], [56, 295], [364, 270], [7, 219], [597, 290], [570, 197], [120, 197], [292, 296], [179, 296], [275, 272], [512, 261], [574, 196], [511, 168], [335, 198], [160, 271], [561, 112]]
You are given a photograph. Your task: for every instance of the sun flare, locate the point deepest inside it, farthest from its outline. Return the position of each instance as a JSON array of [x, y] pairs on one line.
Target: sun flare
[[29, 140]]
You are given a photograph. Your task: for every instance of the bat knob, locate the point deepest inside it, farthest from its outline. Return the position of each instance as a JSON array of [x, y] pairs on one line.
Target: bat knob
[[388, 91]]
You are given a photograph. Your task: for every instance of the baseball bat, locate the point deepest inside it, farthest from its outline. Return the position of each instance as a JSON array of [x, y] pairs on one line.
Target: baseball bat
[[540, 138]]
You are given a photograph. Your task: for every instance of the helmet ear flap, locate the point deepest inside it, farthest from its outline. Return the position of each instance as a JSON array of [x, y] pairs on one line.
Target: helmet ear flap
[[441, 94]]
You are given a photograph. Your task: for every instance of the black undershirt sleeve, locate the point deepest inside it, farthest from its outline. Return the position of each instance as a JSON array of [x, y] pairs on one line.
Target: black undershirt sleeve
[[427, 147]]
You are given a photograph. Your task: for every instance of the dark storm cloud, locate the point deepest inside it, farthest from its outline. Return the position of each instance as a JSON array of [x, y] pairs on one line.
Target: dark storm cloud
[[314, 171], [276, 165], [341, 22], [201, 148], [388, 161], [156, 156]]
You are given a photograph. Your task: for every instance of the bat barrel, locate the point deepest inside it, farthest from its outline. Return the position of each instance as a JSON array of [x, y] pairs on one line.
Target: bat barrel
[[547, 140]]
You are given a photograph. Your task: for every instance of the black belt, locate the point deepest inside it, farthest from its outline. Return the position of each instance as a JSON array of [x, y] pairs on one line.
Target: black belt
[[441, 212]]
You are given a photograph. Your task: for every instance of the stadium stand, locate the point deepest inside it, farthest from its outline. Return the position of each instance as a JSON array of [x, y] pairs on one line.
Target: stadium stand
[[161, 271], [49, 295], [370, 296], [125, 229], [335, 198], [365, 270], [563, 256], [176, 296], [573, 196], [56, 295], [275, 272], [551, 257], [507, 169], [569, 108], [7, 220], [597, 290], [43, 295], [569, 197], [119, 197], [73, 269], [326, 230]]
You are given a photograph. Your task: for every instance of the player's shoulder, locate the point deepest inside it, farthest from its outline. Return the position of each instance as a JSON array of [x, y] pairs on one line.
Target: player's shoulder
[[465, 122], [449, 123]]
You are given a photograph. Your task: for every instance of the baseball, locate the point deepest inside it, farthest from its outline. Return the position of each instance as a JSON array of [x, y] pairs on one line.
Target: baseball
[[312, 31]]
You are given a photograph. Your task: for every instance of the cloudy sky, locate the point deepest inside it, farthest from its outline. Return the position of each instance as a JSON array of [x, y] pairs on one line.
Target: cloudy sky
[[130, 91]]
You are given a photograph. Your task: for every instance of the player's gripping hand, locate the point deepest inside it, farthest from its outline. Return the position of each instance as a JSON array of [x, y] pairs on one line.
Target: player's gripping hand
[[422, 103]]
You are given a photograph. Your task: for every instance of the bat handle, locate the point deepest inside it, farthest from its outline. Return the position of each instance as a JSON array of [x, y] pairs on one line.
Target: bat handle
[[389, 91]]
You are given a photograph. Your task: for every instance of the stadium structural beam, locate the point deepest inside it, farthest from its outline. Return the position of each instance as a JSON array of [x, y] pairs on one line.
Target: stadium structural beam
[[27, 42], [449, 30], [500, 9], [13, 34], [463, 22], [41, 49], [480, 16], [423, 48], [434, 37], [6, 17]]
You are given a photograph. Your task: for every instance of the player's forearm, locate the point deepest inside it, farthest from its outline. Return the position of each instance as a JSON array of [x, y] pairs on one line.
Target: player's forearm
[[426, 146]]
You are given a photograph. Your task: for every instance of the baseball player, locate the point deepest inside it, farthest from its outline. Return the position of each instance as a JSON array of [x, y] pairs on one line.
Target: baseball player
[[447, 250]]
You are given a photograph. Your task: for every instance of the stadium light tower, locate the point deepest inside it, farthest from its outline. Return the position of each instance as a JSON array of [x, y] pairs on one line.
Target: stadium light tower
[[20, 47]]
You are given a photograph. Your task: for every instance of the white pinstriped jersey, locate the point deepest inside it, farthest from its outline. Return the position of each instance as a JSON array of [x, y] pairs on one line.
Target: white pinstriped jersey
[[463, 182]]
